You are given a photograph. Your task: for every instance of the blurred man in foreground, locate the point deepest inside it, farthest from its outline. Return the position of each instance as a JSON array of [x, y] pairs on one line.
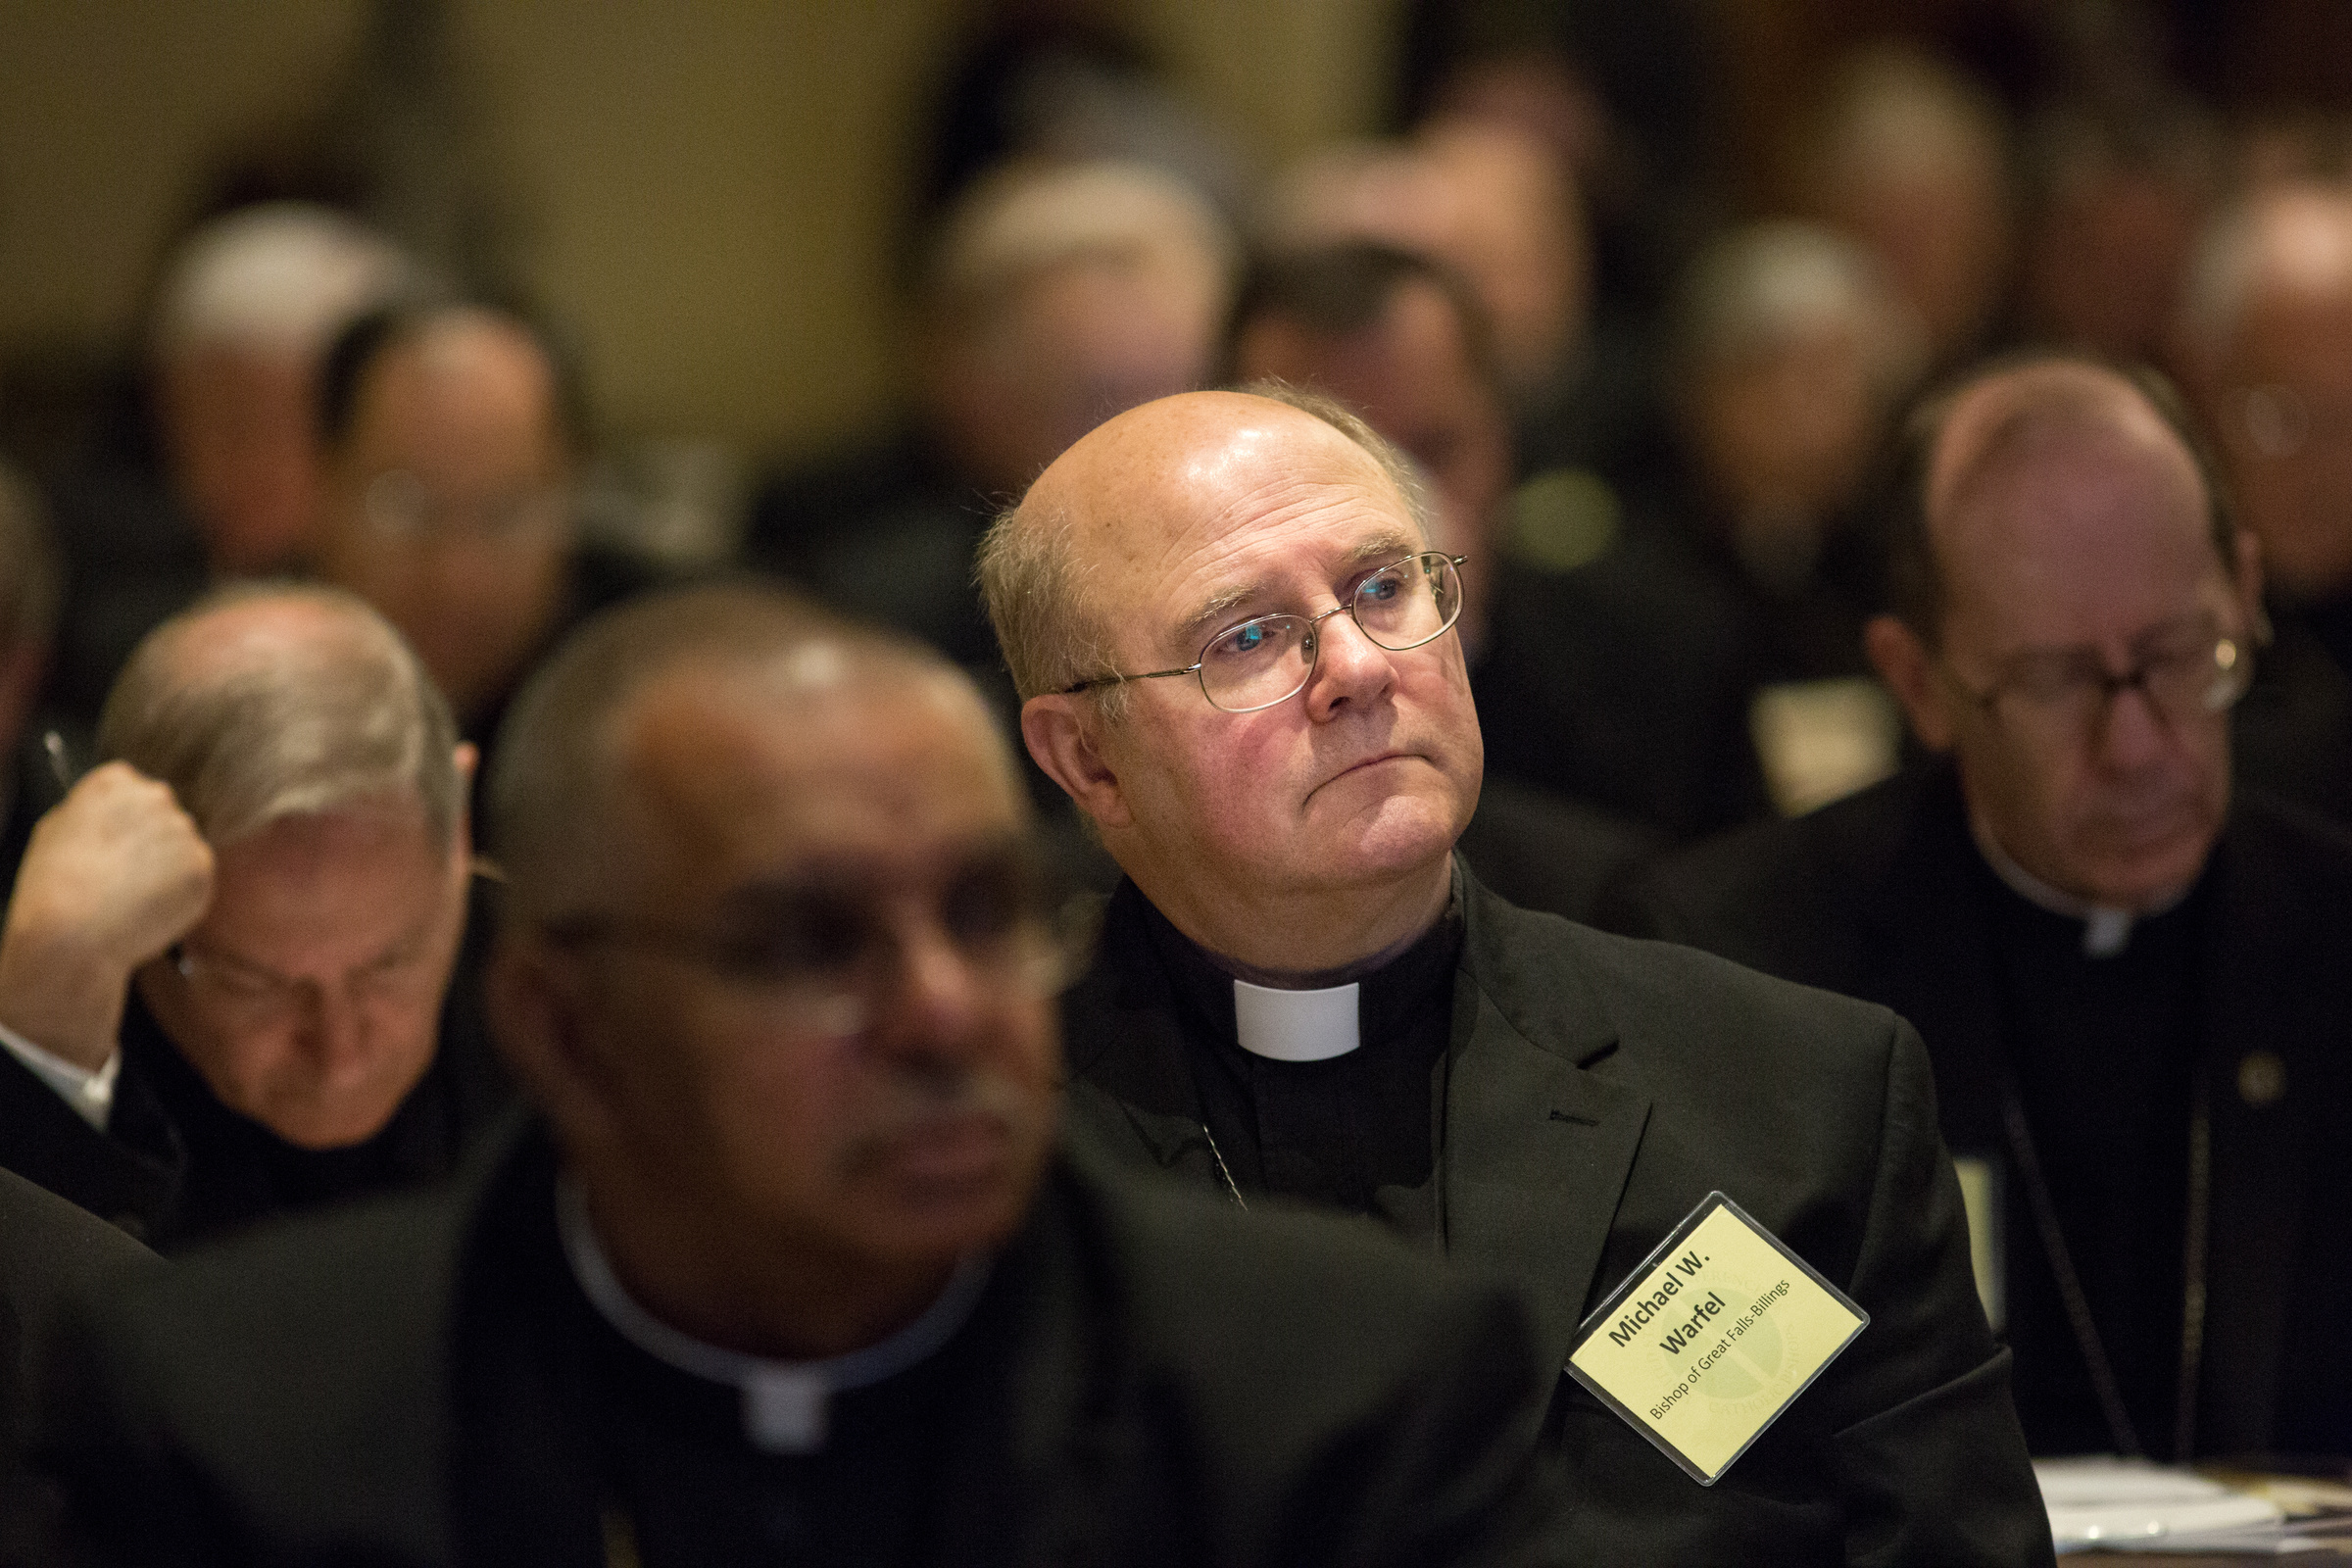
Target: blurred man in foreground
[[2125, 971], [1236, 646], [223, 972], [793, 1269]]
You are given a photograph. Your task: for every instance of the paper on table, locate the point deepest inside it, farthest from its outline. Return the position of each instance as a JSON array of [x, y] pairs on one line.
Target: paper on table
[[2135, 1505]]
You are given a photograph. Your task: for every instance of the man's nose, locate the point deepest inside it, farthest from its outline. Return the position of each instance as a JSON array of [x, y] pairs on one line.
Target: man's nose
[[1350, 667], [335, 1026], [2132, 731], [934, 996]]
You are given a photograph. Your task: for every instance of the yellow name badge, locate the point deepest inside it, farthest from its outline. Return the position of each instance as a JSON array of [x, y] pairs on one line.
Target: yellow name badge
[[1713, 1338]]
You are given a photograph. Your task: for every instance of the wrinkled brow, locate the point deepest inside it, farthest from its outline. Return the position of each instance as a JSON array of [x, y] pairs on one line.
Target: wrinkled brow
[[1214, 614]]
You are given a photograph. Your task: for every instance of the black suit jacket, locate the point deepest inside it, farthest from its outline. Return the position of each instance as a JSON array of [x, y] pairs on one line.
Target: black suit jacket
[[1594, 1092], [1883, 896], [50, 1251], [1184, 1385]]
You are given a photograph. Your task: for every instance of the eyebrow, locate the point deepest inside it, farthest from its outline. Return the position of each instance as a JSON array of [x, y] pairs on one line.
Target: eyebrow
[[1211, 613]]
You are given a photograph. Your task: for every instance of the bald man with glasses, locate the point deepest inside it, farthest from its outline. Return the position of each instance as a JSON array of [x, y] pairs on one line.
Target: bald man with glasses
[[2129, 974], [1235, 648]]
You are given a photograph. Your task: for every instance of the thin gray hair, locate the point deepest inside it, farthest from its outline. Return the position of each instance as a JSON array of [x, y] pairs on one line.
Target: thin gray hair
[[290, 725]]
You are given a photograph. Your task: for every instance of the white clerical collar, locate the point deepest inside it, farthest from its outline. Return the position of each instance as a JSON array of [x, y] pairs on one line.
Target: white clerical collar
[[1296, 1025], [784, 1402], [2106, 928]]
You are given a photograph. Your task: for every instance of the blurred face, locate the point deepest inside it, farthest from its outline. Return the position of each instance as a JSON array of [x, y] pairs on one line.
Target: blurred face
[[309, 997], [1785, 431], [2286, 418], [1073, 346], [2090, 555], [1410, 377], [1367, 776], [449, 506], [818, 1017], [239, 428]]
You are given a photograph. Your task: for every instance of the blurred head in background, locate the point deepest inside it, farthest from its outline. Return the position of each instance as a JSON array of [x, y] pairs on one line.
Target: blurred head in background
[[451, 434], [244, 313], [1792, 352], [1911, 158], [1495, 203], [1056, 297], [2074, 615], [2265, 339], [2116, 202], [1399, 339]]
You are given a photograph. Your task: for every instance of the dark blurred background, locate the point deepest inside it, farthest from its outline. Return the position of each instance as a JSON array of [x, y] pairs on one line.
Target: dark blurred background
[[834, 277]]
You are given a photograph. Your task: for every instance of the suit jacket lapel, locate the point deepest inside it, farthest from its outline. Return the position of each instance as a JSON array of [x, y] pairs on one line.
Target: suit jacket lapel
[[1127, 1064], [1925, 950], [1537, 1148]]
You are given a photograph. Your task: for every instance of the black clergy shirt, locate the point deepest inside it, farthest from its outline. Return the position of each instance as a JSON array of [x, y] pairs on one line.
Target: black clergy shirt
[[2104, 1051], [1357, 1132]]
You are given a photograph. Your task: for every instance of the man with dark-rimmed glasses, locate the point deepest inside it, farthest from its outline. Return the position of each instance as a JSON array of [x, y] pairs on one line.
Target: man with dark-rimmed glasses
[[1301, 996], [2128, 972]]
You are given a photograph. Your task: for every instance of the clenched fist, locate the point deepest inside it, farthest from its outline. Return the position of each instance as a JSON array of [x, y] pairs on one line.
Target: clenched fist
[[114, 874]]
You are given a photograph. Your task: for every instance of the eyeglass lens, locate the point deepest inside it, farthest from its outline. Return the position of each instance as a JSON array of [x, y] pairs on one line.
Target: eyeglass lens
[[2181, 681], [1262, 661]]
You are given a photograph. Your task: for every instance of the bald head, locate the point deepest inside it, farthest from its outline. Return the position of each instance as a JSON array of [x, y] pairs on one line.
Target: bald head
[[2080, 626], [1142, 486], [2286, 246], [568, 796], [263, 702], [2027, 419]]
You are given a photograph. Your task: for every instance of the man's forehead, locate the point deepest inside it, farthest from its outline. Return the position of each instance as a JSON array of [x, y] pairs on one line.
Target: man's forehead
[[1162, 493], [2040, 426], [778, 763]]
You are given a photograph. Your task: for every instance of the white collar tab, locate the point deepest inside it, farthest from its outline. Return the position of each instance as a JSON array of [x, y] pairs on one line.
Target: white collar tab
[[1296, 1025], [2106, 929], [785, 1403]]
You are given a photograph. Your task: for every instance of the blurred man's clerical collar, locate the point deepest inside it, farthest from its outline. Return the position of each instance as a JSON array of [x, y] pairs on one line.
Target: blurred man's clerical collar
[[2106, 929], [785, 1403]]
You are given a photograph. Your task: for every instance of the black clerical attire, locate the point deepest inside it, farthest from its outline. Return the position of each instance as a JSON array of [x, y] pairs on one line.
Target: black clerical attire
[[2292, 735], [2230, 1004], [173, 1165], [1141, 1378], [886, 532], [1616, 685], [50, 1251], [1576, 1096]]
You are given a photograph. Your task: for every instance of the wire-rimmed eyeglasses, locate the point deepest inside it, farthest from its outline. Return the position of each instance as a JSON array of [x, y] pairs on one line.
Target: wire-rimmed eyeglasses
[[1270, 658]]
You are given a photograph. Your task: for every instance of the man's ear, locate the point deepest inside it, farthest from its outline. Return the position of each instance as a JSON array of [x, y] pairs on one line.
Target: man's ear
[[468, 761], [531, 997], [1063, 738], [1904, 664]]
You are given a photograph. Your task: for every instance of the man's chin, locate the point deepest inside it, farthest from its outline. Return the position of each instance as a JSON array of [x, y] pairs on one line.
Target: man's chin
[[319, 1127], [1401, 834], [2145, 873]]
